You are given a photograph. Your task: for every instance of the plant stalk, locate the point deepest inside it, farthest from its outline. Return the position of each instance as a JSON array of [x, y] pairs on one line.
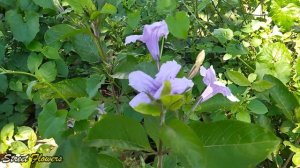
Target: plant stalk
[[160, 146]]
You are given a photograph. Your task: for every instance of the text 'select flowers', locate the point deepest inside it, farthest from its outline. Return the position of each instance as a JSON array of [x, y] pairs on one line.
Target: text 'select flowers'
[[147, 86], [151, 35], [214, 86]]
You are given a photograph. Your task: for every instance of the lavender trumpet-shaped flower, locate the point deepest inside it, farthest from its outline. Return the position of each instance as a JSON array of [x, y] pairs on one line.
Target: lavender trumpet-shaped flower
[[151, 35], [147, 86], [214, 86]]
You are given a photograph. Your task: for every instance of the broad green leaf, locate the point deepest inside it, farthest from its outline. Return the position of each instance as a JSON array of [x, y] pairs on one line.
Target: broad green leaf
[[35, 46], [235, 144], [59, 32], [152, 127], [7, 133], [7, 3], [18, 147], [47, 71], [165, 6], [3, 83], [284, 99], [119, 131], [243, 116], [70, 88], [148, 109], [235, 48], [133, 19], [184, 143], [280, 66], [261, 85], [27, 5], [216, 103], [82, 108], [62, 68], [51, 122], [86, 48], [285, 15], [172, 102], [179, 24], [34, 61], [16, 85], [26, 133], [223, 35], [252, 77], [80, 6], [75, 150], [108, 9], [46, 4], [93, 84], [256, 106], [166, 89], [238, 78], [51, 52], [24, 28], [255, 42]]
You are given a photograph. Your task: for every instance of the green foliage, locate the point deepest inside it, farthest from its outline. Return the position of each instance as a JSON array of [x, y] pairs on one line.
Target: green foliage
[[179, 24]]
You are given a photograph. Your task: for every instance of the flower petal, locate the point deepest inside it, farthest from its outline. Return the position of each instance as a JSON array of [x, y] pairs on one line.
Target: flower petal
[[142, 82], [151, 35], [167, 71], [180, 85], [207, 93], [208, 74], [138, 99], [133, 39]]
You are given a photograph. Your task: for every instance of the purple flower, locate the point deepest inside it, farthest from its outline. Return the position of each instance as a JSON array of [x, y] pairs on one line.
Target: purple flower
[[151, 35], [214, 86], [147, 86]]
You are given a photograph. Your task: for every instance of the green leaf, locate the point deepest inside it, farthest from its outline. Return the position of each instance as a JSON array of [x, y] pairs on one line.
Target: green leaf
[[75, 150], [86, 48], [133, 19], [152, 127], [235, 144], [23, 29], [80, 6], [93, 84], [148, 109], [2, 52], [82, 108], [179, 24], [27, 5], [26, 133], [47, 71], [34, 61], [7, 3], [235, 48], [165, 6], [7, 133], [59, 32], [223, 35], [280, 66], [285, 14], [284, 99], [62, 68], [172, 102], [16, 85], [119, 131], [70, 88], [261, 85], [256, 106], [51, 122], [46, 4], [216, 103], [243, 116], [108, 9], [3, 83], [238, 78], [18, 147], [51, 52], [29, 89], [184, 143]]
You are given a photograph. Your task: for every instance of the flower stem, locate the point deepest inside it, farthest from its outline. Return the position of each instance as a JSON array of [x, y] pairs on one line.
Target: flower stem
[[160, 145], [200, 99]]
